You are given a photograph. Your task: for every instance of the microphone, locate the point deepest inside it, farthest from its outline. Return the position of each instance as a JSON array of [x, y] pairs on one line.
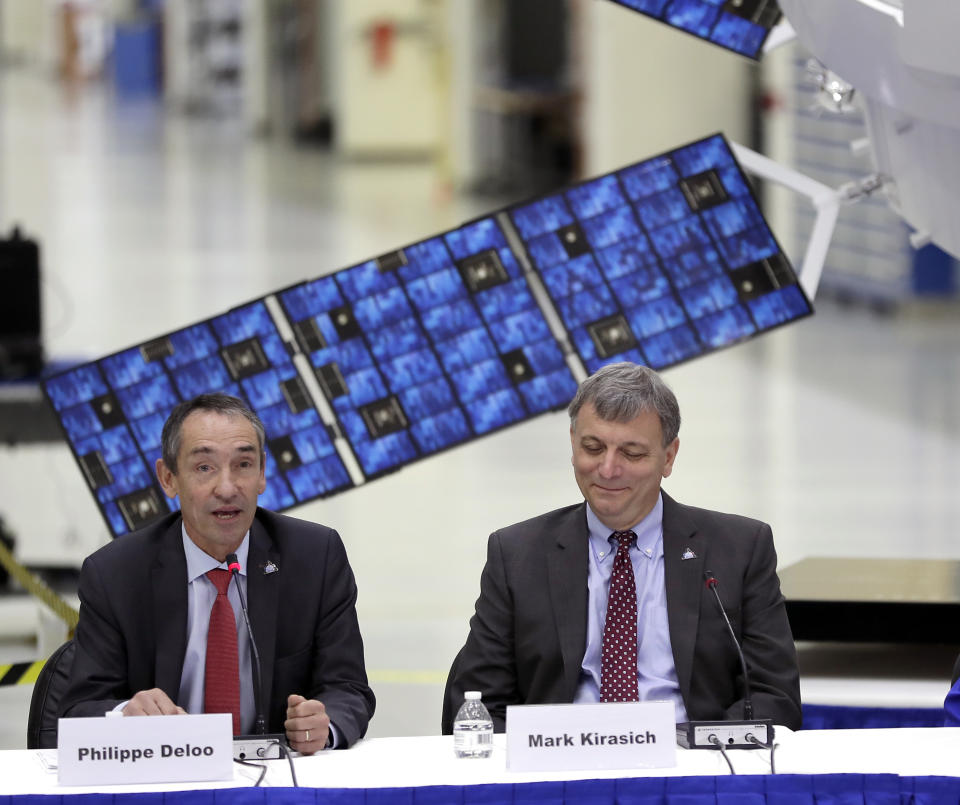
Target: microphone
[[750, 733], [259, 744], [712, 584]]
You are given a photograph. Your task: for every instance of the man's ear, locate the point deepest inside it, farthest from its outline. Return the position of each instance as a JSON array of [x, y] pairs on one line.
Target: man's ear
[[167, 479]]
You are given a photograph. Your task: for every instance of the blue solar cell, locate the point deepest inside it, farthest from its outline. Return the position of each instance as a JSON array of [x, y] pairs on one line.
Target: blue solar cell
[[324, 476], [626, 257], [80, 421], [114, 518], [611, 227], [117, 444], [548, 391], [693, 267], [739, 34], [129, 368], [646, 178], [522, 328], [466, 349], [480, 379], [694, 16], [673, 346], [587, 306], [475, 238], [661, 314], [205, 375], [663, 208], [446, 321], [311, 298], [441, 287], [243, 323], [505, 300], [495, 410], [440, 431], [142, 399], [75, 386], [411, 369], [425, 258], [682, 236], [748, 247], [640, 287], [711, 296], [594, 197], [277, 495], [572, 277], [703, 155], [725, 327], [547, 250], [546, 215], [147, 431], [313, 444], [190, 345], [780, 306], [365, 280]]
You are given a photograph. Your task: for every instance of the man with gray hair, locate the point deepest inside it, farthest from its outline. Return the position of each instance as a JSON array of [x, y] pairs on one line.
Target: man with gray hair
[[606, 600], [162, 625]]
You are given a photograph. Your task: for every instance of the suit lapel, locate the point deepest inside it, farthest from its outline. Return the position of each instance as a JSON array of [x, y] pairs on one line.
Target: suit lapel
[[567, 575], [682, 578], [169, 580], [263, 601]]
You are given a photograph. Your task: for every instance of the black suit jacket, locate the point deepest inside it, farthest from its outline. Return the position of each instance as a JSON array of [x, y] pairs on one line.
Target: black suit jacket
[[529, 633], [132, 633]]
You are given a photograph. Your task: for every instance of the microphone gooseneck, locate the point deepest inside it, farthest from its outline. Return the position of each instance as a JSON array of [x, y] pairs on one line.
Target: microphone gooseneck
[[260, 723], [712, 583]]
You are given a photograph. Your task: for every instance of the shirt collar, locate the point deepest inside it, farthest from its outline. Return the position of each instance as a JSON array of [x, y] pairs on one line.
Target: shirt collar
[[649, 533], [199, 561]]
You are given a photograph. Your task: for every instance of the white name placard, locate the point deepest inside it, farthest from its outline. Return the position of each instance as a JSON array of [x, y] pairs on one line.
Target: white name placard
[[145, 749], [557, 737]]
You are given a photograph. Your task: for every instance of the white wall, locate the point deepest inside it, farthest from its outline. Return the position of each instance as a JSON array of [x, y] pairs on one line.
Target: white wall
[[649, 88]]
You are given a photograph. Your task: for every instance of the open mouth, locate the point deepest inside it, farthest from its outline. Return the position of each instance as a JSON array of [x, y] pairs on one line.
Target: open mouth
[[227, 515]]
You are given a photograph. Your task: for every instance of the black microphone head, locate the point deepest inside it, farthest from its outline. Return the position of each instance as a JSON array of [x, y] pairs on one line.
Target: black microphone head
[[233, 564], [709, 579]]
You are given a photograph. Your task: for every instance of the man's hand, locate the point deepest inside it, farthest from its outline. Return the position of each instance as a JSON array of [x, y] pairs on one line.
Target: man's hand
[[153, 702], [307, 724]]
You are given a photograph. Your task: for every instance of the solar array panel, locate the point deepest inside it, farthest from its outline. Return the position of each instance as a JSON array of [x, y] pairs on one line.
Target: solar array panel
[[360, 372], [738, 25], [661, 261]]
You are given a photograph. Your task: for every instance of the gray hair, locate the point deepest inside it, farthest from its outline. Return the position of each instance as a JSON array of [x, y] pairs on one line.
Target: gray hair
[[218, 403], [622, 391]]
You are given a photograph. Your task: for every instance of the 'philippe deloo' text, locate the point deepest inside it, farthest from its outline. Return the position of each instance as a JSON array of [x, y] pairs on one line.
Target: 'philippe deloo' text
[[125, 755], [538, 740]]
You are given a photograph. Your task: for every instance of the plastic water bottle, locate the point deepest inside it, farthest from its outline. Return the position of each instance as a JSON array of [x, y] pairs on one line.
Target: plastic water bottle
[[472, 728]]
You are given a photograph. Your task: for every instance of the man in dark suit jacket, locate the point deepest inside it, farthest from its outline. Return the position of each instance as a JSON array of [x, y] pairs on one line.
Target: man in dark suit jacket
[[136, 642], [536, 635]]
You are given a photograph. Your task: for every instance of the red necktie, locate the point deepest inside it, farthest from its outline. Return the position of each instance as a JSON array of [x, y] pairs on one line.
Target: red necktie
[[221, 683], [618, 659]]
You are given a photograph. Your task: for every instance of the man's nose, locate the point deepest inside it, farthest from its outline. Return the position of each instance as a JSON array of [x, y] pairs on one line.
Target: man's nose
[[226, 486], [609, 464]]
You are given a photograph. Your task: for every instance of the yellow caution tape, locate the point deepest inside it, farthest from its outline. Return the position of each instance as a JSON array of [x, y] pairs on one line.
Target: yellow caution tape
[[38, 589], [20, 673]]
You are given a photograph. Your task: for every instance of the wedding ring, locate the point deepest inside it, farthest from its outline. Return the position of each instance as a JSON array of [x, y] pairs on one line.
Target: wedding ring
[[308, 736]]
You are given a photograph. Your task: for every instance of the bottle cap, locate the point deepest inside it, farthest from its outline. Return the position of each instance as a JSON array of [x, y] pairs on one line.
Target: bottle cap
[[470, 695]]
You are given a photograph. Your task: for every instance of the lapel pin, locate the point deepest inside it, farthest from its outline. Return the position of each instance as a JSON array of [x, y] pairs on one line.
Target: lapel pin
[[269, 567], [688, 554]]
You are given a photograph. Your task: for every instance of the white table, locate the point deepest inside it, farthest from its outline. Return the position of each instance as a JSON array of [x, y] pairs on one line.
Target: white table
[[412, 762]]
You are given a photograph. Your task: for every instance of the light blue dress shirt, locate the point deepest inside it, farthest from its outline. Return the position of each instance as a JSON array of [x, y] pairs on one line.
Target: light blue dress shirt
[[656, 672], [201, 593]]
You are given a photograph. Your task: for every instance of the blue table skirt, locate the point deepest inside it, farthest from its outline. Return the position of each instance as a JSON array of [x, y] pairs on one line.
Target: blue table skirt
[[789, 789], [827, 717]]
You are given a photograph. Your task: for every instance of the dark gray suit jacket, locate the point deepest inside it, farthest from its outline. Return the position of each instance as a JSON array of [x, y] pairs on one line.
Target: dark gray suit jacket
[[132, 633], [529, 633]]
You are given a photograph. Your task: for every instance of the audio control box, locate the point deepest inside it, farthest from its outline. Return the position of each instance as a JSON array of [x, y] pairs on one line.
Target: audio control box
[[755, 734], [259, 747]]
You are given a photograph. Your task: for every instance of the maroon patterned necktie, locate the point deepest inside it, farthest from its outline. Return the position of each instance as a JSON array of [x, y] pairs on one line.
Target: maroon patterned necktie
[[221, 683], [618, 658]]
